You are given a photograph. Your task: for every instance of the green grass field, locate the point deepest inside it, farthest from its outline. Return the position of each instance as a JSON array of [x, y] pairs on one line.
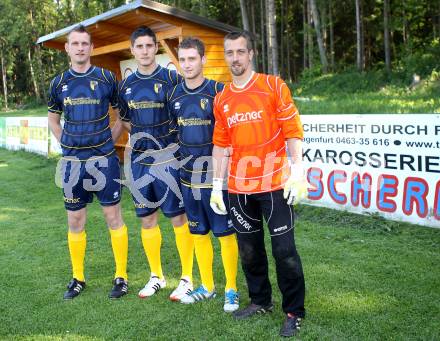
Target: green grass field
[[34, 112], [366, 278]]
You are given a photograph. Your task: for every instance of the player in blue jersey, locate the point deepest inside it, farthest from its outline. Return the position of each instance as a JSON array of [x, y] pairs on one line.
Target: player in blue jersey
[[153, 171], [191, 109], [89, 164]]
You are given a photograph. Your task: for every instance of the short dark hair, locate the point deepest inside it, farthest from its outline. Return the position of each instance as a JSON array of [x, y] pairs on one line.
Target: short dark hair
[[193, 43], [79, 29], [241, 34], [142, 31]]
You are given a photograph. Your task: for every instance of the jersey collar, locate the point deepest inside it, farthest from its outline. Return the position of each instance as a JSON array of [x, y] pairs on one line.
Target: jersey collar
[[246, 85], [154, 73], [196, 90], [80, 74]]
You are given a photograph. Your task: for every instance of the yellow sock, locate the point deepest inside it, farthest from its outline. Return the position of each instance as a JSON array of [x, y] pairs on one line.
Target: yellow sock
[[152, 241], [229, 248], [77, 248], [119, 239], [205, 256], [185, 246]]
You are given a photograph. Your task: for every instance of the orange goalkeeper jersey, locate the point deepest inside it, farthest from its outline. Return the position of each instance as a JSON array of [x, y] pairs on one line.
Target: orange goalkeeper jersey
[[255, 121]]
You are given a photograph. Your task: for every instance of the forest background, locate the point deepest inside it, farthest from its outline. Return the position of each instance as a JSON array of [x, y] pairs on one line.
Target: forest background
[[321, 47]]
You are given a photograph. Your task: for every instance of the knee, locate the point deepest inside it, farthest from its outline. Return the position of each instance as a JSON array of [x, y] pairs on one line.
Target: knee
[[76, 222], [287, 257], [248, 253], [149, 222], [179, 220], [282, 251], [113, 219]]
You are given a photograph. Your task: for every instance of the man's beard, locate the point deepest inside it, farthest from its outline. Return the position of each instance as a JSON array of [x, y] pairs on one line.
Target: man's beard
[[238, 71]]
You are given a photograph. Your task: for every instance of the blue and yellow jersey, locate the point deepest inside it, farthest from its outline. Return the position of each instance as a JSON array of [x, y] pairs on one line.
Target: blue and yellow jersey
[[191, 112], [84, 100], [143, 103]]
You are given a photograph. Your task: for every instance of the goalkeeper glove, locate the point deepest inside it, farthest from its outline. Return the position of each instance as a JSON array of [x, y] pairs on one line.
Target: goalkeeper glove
[[216, 201], [295, 188]]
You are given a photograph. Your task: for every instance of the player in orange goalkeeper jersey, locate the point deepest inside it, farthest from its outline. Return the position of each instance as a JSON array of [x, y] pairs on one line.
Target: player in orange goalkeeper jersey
[[256, 120]]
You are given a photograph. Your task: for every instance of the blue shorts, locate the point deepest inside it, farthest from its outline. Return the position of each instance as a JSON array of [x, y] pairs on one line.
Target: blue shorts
[[82, 179], [156, 186], [201, 217]]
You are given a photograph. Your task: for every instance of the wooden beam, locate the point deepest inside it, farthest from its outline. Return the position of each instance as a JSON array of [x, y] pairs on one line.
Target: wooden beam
[[168, 34], [172, 53], [122, 45], [125, 45], [102, 25]]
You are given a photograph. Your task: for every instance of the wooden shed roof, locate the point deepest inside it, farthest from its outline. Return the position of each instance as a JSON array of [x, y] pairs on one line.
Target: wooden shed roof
[[116, 25]]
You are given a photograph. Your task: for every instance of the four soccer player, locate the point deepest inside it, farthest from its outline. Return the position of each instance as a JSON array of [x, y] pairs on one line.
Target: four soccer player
[[185, 133]]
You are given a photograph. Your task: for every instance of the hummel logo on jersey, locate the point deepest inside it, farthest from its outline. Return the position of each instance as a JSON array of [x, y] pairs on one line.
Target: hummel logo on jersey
[[204, 103], [157, 87], [64, 88], [239, 117], [128, 91], [226, 108], [93, 85], [279, 229], [176, 106]]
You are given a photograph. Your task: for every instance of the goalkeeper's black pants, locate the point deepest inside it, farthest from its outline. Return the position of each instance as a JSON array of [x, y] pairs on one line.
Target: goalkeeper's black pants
[[247, 212]]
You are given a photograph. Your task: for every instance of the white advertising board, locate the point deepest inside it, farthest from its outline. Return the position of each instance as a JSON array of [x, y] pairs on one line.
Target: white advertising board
[[26, 133], [388, 164]]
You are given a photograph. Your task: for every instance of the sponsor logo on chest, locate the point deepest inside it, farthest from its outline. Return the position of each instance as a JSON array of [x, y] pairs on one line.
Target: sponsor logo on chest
[[244, 117]]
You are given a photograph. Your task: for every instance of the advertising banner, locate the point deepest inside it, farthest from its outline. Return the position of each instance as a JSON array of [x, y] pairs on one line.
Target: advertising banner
[[388, 164], [2, 132], [27, 133]]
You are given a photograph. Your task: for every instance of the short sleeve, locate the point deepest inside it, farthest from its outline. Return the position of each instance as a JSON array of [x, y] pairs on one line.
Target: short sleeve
[[174, 77], [286, 112], [221, 134], [53, 103], [124, 111], [171, 111], [114, 90]]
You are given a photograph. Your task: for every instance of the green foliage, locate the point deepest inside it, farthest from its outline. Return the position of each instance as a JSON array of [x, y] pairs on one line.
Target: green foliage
[[371, 92], [366, 277]]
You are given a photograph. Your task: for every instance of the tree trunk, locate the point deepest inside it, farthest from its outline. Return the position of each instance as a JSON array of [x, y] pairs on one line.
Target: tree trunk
[[263, 35], [332, 39], [310, 34], [254, 32], [33, 77], [244, 16], [282, 65], [246, 26], [40, 74], [386, 34], [305, 34], [359, 45], [324, 26], [272, 38], [322, 53], [5, 83]]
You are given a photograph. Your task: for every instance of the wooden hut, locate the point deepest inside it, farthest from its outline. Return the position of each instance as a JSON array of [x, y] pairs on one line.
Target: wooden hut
[[111, 32]]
